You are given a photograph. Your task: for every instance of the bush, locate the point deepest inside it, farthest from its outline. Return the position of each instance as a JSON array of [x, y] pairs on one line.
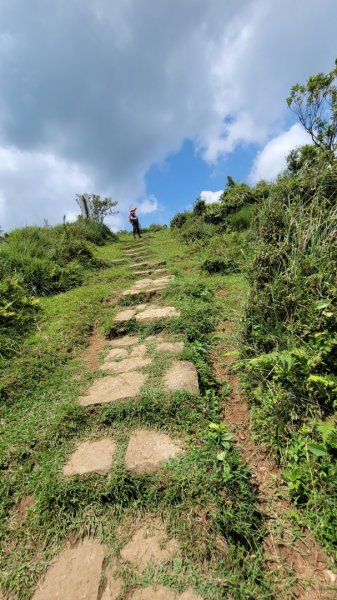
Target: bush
[[243, 218], [18, 312], [51, 260], [220, 265], [180, 219]]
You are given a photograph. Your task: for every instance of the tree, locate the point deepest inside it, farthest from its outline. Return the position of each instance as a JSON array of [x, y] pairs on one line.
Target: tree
[[199, 207], [100, 208], [315, 105]]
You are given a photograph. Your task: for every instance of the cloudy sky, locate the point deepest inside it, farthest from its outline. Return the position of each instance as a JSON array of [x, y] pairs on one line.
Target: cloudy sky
[[149, 101]]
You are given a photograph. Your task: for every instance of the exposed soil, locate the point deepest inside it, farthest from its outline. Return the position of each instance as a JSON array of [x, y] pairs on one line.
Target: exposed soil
[[20, 511], [90, 355], [307, 560]]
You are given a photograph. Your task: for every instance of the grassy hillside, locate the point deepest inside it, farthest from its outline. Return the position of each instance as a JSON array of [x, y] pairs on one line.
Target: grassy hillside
[[283, 238], [39, 261]]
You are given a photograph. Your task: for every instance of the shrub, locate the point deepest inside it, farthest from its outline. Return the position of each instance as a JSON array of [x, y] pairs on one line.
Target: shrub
[[18, 311], [220, 265], [179, 220], [242, 219]]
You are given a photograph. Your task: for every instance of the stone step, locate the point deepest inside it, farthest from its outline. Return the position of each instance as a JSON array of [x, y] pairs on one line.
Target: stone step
[[148, 450], [110, 389], [91, 456], [144, 314], [182, 375]]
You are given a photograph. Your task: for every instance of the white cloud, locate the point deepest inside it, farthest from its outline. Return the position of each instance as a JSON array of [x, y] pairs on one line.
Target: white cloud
[[272, 159], [45, 183], [148, 205], [211, 197], [107, 89]]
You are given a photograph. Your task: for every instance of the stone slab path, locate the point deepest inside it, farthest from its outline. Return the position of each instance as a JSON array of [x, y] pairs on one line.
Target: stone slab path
[[144, 314], [80, 572]]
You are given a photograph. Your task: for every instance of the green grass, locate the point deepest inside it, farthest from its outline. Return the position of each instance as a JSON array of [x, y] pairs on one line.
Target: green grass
[[209, 505]]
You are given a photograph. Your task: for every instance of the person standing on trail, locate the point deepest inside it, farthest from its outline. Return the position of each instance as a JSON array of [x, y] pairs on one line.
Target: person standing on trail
[[134, 222]]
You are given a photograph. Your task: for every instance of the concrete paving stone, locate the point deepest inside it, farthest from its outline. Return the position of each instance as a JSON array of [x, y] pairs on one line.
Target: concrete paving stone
[[146, 272], [110, 389], [117, 353], [170, 347], [132, 292], [159, 271], [139, 350], [125, 315], [91, 456], [149, 544], [74, 574], [148, 450], [143, 283], [182, 375], [154, 592], [139, 265], [140, 307], [128, 364], [162, 312], [126, 340]]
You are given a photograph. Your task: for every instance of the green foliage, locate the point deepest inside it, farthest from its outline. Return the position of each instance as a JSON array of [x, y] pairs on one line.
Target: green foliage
[[290, 330], [179, 220], [40, 261], [315, 105], [100, 208], [242, 219], [18, 312]]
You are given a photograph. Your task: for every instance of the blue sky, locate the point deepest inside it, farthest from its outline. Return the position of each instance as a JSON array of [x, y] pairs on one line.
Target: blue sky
[[179, 181], [148, 102]]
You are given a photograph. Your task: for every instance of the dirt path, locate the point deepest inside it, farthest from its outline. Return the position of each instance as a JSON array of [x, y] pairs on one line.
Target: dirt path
[[303, 556]]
